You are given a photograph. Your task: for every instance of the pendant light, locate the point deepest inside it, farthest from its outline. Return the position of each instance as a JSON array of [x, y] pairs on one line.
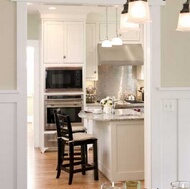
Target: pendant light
[[184, 18], [116, 40], [125, 25], [139, 11], [106, 42]]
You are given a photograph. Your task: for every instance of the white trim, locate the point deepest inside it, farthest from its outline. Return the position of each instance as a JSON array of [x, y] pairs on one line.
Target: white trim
[[30, 119], [9, 92], [152, 56], [87, 2], [22, 97], [36, 96], [174, 89]]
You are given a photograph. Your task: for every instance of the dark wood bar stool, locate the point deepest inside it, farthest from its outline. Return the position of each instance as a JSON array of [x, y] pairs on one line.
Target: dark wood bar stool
[[75, 164]]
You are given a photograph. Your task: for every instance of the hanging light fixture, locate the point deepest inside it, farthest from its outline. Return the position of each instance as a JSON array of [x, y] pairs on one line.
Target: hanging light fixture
[[116, 40], [106, 42], [184, 18], [125, 25], [139, 11]]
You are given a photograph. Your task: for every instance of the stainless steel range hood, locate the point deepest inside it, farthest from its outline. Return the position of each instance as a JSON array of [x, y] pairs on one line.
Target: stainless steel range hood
[[127, 54]]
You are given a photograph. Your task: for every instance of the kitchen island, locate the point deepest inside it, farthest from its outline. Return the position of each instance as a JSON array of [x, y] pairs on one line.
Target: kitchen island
[[120, 143]]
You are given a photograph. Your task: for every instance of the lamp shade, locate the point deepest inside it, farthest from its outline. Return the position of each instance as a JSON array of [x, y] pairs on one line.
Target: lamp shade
[[139, 12], [117, 41], [106, 43], [184, 18], [183, 22], [127, 26]]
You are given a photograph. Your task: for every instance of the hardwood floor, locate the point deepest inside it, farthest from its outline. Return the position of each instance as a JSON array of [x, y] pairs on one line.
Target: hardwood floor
[[42, 171]]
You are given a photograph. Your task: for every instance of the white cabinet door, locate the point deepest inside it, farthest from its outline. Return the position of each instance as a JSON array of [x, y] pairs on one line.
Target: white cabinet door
[[127, 37], [74, 42], [91, 62], [140, 72], [63, 42], [53, 44]]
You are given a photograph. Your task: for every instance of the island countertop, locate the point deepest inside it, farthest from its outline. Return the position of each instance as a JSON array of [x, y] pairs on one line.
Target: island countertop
[[119, 115]]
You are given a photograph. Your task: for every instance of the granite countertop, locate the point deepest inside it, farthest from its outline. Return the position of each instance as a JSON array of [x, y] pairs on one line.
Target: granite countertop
[[120, 104], [119, 115], [93, 104]]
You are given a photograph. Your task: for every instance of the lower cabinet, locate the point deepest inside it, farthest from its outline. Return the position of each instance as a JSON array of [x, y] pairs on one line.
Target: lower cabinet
[[120, 149], [50, 140]]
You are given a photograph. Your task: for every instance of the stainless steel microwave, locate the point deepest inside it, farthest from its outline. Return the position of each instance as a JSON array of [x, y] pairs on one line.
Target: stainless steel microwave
[[63, 79]]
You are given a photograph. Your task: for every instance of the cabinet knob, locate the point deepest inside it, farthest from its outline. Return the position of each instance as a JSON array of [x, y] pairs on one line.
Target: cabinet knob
[[64, 57], [94, 72]]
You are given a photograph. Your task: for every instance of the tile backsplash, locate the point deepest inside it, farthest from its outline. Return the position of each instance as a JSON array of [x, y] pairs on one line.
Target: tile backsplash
[[116, 81]]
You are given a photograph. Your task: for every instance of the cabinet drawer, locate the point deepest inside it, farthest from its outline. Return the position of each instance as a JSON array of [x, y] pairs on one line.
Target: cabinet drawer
[[50, 140]]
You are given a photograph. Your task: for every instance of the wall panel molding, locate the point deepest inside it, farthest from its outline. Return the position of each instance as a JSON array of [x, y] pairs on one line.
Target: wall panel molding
[[8, 139], [174, 132]]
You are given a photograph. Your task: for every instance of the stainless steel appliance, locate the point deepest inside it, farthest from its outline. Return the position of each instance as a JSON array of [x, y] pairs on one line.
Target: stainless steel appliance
[[63, 79], [68, 104], [122, 55], [141, 90]]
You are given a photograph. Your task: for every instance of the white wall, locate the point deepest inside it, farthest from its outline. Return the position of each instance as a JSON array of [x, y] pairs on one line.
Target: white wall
[[33, 24], [8, 45], [175, 56]]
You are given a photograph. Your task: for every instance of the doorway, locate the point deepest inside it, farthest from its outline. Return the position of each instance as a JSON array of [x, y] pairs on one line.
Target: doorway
[[34, 116], [33, 88]]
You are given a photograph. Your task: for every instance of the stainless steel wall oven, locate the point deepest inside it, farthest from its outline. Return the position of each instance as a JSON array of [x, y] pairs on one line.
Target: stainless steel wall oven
[[68, 104]]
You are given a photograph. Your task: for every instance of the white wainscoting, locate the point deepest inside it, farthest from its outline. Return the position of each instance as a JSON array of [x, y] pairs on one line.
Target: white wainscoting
[[173, 134], [11, 142], [8, 141]]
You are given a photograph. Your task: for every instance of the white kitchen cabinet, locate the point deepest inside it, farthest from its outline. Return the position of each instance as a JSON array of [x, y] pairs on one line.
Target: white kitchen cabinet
[[140, 72], [63, 42], [120, 149], [127, 37], [91, 49]]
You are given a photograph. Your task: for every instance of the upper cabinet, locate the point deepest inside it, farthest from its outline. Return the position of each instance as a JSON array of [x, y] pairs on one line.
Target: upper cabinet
[[63, 42], [91, 55], [127, 37], [140, 72]]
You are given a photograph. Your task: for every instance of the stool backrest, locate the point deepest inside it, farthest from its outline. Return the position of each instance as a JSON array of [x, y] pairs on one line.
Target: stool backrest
[[63, 125]]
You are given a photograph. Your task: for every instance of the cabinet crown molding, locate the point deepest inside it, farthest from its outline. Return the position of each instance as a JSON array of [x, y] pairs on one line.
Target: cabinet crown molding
[[67, 17]]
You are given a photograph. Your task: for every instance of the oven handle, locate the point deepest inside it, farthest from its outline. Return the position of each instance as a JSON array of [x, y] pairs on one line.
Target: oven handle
[[62, 105]]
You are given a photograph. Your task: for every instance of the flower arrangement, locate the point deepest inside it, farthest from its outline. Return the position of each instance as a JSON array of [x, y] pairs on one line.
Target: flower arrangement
[[106, 101]]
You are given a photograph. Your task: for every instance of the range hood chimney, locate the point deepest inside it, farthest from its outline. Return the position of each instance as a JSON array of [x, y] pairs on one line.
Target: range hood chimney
[[126, 54]]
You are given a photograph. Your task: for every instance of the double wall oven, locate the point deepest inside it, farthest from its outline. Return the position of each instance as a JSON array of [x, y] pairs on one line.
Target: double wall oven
[[64, 91]]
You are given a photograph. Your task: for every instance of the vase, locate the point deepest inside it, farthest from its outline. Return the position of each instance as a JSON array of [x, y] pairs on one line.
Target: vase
[[107, 109]]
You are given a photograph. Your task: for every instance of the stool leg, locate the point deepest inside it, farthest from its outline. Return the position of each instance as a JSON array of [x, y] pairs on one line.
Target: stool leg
[[95, 158], [71, 157], [60, 156], [83, 158], [86, 153]]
